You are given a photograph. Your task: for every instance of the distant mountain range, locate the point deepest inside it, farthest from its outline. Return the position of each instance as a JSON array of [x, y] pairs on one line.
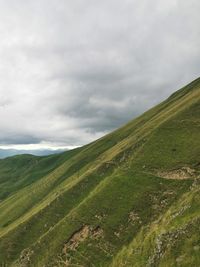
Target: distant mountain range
[[37, 152], [131, 198]]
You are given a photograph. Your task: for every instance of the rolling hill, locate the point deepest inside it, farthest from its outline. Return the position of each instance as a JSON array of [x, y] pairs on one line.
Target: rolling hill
[[131, 198]]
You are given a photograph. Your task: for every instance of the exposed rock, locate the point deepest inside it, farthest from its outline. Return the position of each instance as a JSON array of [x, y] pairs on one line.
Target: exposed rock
[[25, 256], [77, 238], [181, 173], [81, 235], [100, 216], [133, 217], [97, 233]]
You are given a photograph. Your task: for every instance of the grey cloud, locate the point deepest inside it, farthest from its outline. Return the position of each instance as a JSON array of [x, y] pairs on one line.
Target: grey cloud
[[15, 138], [72, 71]]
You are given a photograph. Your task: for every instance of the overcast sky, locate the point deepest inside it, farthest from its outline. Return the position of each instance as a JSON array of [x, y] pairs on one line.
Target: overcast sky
[[73, 70]]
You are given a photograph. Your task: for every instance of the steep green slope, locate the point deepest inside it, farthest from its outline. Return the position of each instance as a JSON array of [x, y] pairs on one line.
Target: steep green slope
[[93, 205]]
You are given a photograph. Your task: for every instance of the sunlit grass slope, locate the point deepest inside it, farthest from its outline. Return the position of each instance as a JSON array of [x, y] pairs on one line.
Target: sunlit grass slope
[[112, 202]]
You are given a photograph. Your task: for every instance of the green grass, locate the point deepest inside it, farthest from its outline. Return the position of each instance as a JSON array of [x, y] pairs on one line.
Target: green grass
[[173, 240], [109, 185]]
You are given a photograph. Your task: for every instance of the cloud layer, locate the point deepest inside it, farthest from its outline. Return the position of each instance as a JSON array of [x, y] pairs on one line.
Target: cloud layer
[[70, 71]]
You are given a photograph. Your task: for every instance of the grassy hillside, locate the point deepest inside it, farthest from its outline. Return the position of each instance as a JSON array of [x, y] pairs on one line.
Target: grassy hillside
[[130, 198]]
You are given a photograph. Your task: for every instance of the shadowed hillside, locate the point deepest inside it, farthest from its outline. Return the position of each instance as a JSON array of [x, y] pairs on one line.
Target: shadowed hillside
[[130, 198]]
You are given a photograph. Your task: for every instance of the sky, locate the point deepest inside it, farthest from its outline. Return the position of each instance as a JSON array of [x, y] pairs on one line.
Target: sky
[[72, 71]]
